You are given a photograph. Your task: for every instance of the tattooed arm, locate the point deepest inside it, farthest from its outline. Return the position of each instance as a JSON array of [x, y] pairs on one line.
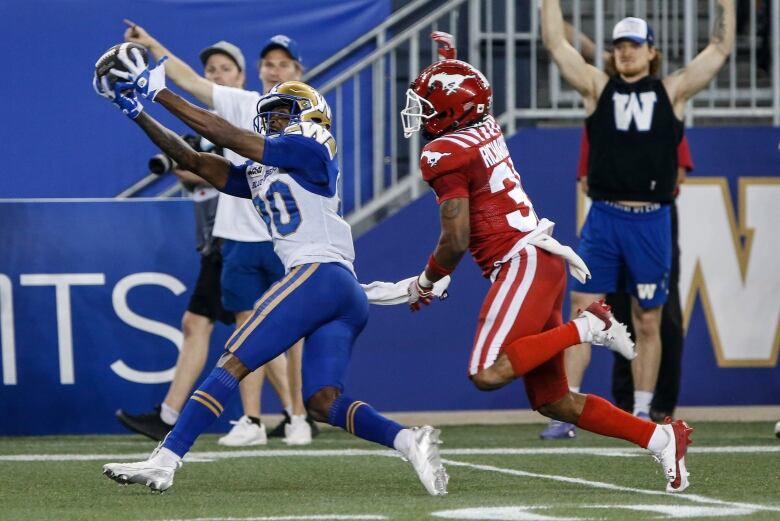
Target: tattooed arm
[[685, 83], [211, 167], [454, 238]]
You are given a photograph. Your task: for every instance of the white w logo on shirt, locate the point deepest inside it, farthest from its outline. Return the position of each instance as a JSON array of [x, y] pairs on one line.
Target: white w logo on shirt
[[646, 291], [628, 107]]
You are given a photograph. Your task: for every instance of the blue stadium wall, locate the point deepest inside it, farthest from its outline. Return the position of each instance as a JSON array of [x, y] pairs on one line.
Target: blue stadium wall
[[61, 140], [92, 292]]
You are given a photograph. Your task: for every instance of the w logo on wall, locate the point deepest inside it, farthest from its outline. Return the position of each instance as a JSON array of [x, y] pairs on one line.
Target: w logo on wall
[[628, 107]]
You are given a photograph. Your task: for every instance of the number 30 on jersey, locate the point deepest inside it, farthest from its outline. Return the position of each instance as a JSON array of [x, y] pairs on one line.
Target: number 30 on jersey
[[284, 215]]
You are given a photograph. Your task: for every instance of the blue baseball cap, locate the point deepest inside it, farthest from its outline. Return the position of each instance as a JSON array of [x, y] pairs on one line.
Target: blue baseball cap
[[634, 29], [284, 42]]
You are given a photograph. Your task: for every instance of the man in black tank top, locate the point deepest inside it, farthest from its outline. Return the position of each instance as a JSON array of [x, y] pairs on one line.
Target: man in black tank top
[[634, 123]]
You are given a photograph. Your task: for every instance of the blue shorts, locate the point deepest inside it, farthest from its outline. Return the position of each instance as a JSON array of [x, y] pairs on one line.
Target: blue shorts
[[248, 270], [321, 302], [628, 250]]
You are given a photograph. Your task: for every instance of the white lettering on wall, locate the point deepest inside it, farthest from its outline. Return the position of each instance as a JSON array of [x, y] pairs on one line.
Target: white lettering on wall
[[62, 283], [738, 283], [7, 336], [123, 311]]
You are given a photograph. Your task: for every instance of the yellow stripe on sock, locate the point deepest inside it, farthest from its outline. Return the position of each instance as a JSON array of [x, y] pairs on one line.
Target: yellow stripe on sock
[[205, 403], [211, 400], [353, 407], [259, 317]]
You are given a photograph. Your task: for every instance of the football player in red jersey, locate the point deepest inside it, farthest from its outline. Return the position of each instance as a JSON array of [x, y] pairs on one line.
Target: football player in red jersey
[[484, 209]]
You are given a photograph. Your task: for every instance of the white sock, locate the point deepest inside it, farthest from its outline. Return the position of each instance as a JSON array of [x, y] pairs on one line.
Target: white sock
[[642, 401], [658, 440], [168, 414], [289, 411], [166, 458], [574, 389], [297, 419], [403, 441]]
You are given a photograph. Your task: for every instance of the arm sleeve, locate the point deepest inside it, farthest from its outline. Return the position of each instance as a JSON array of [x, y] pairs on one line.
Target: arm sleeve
[[450, 186], [236, 184], [303, 158], [684, 158]]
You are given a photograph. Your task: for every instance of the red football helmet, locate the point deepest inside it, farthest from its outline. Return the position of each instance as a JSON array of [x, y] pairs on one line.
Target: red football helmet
[[446, 96]]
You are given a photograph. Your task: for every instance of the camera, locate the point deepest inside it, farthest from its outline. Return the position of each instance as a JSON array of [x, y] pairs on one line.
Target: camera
[[161, 163]]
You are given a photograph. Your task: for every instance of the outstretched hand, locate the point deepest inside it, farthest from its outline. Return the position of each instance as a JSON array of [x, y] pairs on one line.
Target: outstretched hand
[[148, 82], [137, 34], [446, 41], [127, 103], [419, 295]]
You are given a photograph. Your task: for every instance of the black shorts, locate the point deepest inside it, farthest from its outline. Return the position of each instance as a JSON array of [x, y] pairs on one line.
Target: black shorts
[[206, 299]]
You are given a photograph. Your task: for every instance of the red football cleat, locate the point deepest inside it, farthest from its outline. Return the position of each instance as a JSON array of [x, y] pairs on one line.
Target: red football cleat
[[672, 457]]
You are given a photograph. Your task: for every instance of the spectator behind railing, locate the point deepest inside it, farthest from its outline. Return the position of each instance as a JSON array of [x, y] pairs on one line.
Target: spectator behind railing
[[634, 126]]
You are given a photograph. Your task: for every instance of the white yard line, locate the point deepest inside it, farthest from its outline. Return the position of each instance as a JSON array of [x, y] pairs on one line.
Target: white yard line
[[314, 517], [199, 456], [609, 486]]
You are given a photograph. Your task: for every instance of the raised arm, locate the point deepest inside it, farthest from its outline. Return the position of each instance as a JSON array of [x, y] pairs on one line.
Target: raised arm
[[217, 130], [210, 167], [182, 74], [683, 84], [585, 78]]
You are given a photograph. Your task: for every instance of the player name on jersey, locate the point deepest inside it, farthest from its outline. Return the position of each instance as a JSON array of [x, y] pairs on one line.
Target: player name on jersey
[[494, 152]]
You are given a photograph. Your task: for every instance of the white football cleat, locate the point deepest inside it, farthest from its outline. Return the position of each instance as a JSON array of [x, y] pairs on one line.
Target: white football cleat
[[672, 456], [424, 457], [149, 473], [298, 431], [612, 334], [244, 433]]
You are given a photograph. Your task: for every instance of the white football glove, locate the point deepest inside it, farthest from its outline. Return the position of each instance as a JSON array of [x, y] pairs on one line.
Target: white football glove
[[420, 293], [128, 104], [148, 82]]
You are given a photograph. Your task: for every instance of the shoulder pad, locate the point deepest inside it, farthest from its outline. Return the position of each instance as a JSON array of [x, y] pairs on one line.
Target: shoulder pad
[[316, 132], [440, 157]]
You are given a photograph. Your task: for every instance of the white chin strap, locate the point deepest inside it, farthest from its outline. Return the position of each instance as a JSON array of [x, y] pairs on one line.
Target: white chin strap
[[413, 114]]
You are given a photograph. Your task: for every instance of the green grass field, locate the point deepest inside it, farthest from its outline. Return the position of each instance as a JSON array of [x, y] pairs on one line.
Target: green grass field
[[496, 472]]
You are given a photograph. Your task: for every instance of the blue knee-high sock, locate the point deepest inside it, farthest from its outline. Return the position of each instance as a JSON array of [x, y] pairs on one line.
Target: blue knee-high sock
[[204, 406], [363, 421]]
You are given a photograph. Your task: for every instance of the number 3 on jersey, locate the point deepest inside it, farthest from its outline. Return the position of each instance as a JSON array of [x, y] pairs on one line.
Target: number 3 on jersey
[[505, 171], [285, 214]]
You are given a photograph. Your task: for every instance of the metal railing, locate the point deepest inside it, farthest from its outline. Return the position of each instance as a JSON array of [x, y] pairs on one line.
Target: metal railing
[[747, 89], [503, 39]]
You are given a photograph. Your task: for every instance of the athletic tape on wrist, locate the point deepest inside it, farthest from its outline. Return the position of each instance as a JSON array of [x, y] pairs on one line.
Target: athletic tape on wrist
[[437, 268]]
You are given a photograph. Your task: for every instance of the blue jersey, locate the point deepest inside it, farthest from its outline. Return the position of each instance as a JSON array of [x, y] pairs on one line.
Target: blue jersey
[[294, 192]]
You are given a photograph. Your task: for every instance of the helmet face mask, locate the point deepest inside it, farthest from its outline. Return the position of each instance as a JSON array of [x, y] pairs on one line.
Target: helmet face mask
[[446, 96], [301, 102], [417, 109]]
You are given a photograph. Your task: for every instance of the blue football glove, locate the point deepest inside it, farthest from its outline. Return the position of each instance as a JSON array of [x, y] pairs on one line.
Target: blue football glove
[[148, 82], [128, 104]]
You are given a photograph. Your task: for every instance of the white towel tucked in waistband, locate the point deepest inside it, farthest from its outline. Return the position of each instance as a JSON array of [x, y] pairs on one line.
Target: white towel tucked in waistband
[[392, 293], [541, 238]]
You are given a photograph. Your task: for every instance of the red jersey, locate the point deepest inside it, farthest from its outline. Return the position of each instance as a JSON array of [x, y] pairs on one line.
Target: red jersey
[[474, 162]]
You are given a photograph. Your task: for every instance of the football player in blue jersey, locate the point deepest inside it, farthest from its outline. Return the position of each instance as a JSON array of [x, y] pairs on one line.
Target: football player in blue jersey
[[292, 183]]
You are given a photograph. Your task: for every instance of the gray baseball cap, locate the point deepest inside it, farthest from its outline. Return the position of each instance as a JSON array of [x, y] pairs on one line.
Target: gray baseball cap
[[227, 48]]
